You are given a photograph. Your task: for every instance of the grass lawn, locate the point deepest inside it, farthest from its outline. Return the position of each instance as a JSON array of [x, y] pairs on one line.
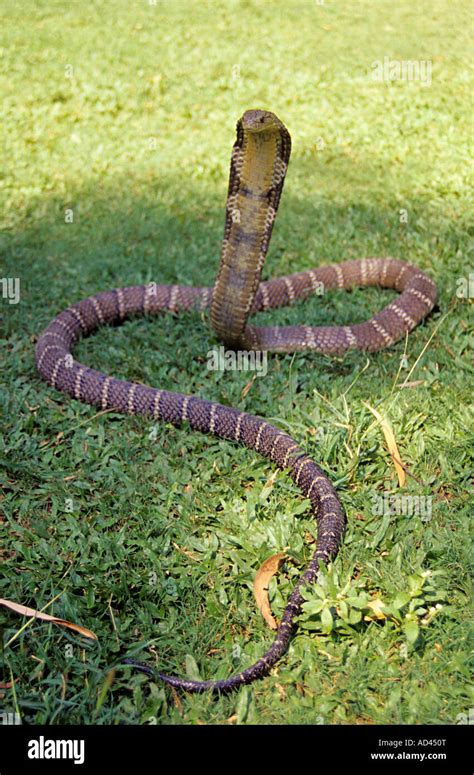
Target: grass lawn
[[120, 118]]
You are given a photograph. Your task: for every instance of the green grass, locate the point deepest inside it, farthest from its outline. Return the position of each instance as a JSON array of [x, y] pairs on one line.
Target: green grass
[[151, 537]]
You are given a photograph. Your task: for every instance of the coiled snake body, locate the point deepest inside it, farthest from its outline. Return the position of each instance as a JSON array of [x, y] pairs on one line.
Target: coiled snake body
[[259, 161]]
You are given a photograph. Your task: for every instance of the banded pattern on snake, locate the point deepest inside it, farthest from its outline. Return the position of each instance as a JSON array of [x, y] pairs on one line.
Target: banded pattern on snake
[[258, 166]]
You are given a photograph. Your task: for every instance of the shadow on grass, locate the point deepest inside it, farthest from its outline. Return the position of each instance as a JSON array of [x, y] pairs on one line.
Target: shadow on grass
[[129, 231]]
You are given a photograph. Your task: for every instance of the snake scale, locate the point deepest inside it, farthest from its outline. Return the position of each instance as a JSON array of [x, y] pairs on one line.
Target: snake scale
[[259, 162]]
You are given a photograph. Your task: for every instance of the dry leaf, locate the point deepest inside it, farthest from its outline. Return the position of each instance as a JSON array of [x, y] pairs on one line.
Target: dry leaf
[[23, 610], [413, 384], [247, 387], [281, 691], [177, 701], [391, 444], [260, 586], [188, 553], [376, 607]]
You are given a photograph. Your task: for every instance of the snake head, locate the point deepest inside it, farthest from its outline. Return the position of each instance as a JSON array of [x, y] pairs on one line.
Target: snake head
[[260, 121]]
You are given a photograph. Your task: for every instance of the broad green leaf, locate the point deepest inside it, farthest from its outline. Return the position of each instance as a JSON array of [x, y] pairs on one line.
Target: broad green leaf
[[411, 630], [327, 620], [400, 600], [192, 670], [243, 705]]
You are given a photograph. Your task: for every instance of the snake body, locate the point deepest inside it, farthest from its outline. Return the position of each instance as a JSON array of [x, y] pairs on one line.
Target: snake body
[[259, 161]]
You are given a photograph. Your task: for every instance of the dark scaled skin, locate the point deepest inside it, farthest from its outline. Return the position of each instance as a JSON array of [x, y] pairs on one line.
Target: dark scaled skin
[[258, 168]]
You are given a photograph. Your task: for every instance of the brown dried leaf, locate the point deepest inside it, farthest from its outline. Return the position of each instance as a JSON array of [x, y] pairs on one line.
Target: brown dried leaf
[[281, 691], [177, 701], [376, 607], [260, 586], [247, 387], [391, 444], [23, 610]]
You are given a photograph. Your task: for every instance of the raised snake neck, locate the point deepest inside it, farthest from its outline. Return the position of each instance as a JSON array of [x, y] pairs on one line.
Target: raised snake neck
[[258, 169]]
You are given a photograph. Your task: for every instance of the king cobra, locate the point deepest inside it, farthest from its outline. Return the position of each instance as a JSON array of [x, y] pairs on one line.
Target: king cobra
[[259, 163]]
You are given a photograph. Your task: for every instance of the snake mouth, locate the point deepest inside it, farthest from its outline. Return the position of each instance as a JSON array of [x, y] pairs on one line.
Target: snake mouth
[[257, 121]]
